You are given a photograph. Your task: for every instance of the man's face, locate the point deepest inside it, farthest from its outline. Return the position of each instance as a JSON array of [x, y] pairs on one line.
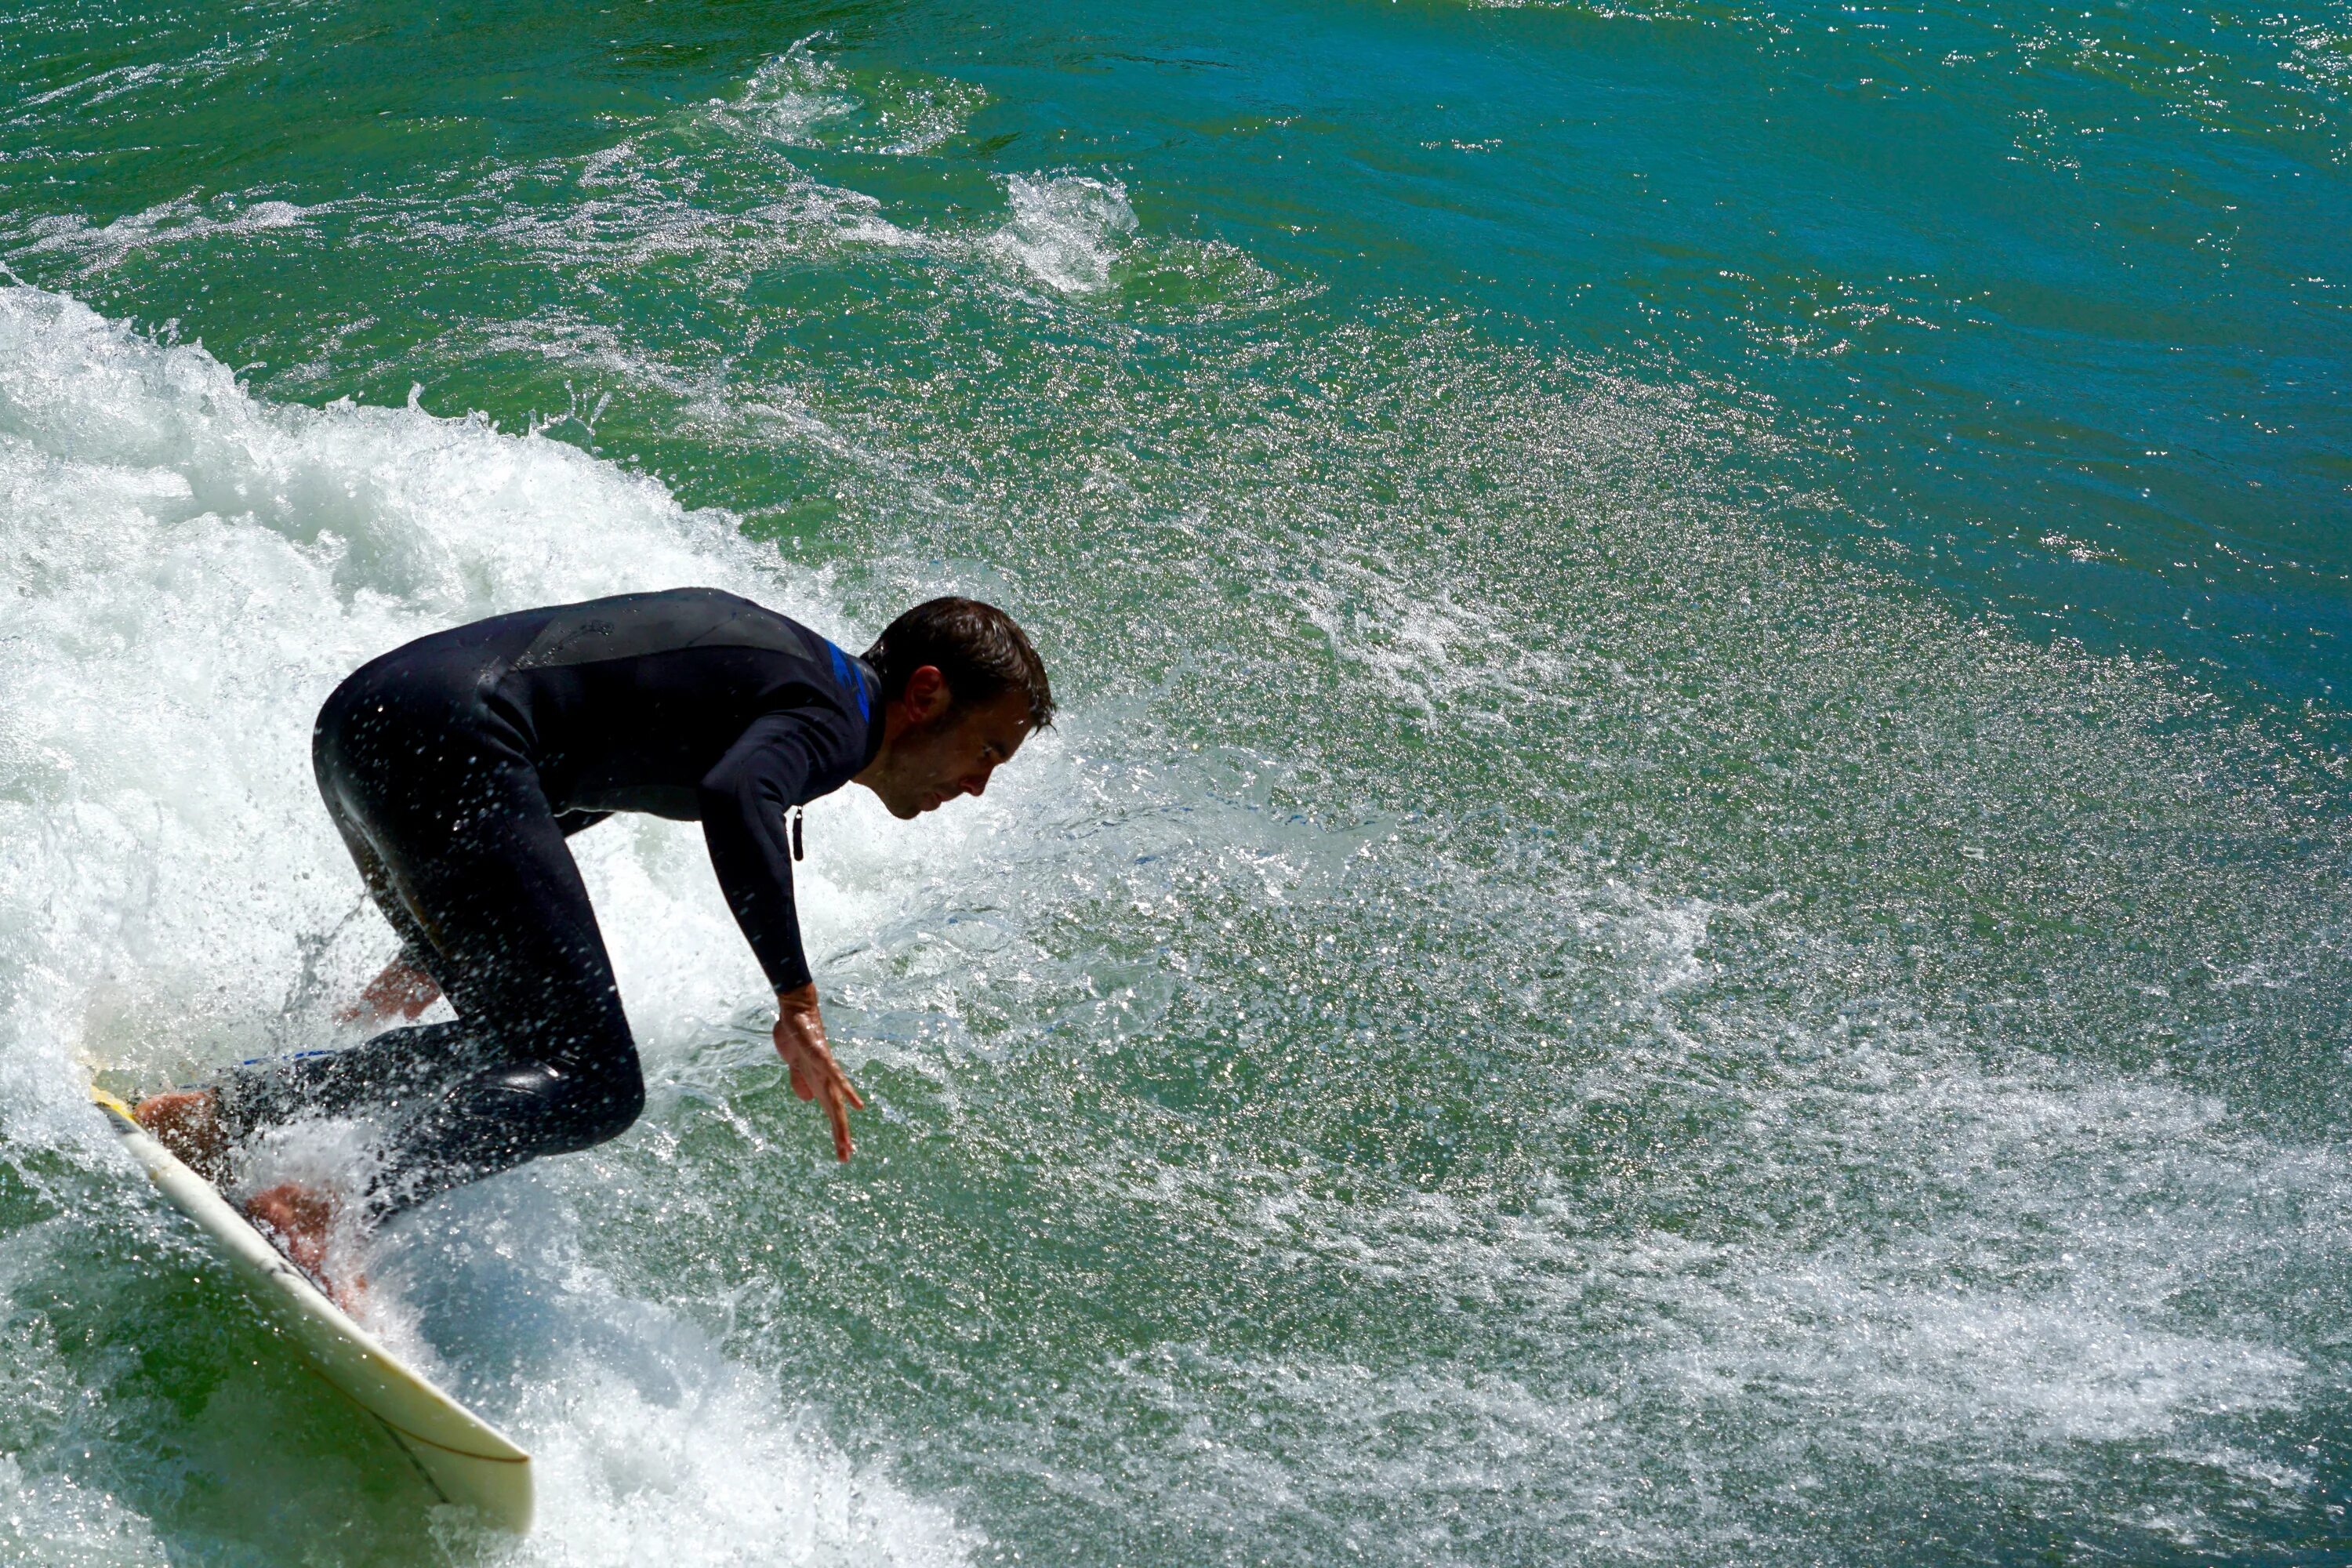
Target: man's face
[[929, 763]]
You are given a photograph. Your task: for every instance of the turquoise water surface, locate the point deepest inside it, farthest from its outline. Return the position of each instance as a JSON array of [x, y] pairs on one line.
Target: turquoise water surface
[[1690, 907]]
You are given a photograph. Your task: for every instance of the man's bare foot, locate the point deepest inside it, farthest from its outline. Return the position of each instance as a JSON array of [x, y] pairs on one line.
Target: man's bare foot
[[298, 1222], [188, 1122], [402, 991]]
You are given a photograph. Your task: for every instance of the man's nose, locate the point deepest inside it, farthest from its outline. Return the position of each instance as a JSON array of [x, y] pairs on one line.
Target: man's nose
[[976, 784]]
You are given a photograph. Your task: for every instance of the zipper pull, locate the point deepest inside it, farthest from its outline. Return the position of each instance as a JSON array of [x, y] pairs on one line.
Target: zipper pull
[[795, 815]]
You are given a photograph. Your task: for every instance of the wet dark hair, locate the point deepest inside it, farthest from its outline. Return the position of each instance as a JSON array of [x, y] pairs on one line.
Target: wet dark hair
[[976, 646]]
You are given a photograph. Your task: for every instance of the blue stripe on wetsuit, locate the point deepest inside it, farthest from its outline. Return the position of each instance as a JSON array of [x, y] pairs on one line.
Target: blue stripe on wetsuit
[[851, 679]]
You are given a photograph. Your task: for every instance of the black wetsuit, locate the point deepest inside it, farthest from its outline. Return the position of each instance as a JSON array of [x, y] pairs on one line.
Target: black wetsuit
[[456, 766]]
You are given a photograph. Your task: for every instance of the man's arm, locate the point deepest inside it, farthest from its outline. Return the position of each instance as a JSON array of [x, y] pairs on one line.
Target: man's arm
[[743, 801]]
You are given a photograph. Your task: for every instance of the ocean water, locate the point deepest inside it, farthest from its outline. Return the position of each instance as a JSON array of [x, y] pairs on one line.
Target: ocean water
[[1691, 906]]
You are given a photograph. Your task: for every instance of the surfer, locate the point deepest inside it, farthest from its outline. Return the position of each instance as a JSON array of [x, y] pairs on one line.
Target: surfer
[[456, 766]]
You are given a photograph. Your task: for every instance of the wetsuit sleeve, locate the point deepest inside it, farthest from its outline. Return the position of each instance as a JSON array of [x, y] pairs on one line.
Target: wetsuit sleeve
[[768, 770]]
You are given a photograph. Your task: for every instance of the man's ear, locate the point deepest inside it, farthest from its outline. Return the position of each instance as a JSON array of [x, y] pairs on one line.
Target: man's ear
[[927, 696]]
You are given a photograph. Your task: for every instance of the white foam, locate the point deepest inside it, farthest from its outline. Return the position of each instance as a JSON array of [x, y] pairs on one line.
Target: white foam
[[647, 1442], [790, 95], [2047, 1319], [188, 75], [179, 221], [1920, 1366], [50, 1520], [1419, 642], [801, 98], [705, 1471], [1068, 231]]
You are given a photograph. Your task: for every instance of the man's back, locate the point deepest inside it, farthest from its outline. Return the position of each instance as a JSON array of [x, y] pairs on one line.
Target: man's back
[[628, 703]]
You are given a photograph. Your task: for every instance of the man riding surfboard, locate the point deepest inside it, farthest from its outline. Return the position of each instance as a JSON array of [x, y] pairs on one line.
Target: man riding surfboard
[[456, 766]]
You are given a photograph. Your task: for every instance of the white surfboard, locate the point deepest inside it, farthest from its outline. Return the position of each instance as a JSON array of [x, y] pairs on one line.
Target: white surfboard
[[463, 1457]]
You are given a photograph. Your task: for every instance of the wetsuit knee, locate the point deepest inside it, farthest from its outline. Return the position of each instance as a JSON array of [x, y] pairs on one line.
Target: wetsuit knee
[[501, 1117], [559, 1112]]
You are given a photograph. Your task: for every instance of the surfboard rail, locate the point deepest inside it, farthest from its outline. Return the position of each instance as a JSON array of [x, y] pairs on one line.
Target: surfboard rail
[[462, 1458]]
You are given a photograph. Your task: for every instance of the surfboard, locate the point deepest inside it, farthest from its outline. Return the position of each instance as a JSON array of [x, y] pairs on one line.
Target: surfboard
[[462, 1458]]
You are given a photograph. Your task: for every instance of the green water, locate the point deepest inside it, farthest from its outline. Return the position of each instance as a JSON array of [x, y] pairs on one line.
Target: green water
[[1691, 903]]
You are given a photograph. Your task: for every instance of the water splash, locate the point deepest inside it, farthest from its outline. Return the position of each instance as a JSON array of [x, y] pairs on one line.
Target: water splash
[[1068, 231]]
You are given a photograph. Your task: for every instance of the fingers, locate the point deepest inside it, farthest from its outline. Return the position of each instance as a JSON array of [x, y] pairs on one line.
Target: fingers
[[816, 1076], [838, 1097], [839, 1112]]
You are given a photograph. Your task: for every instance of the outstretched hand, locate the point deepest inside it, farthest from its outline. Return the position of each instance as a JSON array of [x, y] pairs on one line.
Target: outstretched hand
[[800, 1040]]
